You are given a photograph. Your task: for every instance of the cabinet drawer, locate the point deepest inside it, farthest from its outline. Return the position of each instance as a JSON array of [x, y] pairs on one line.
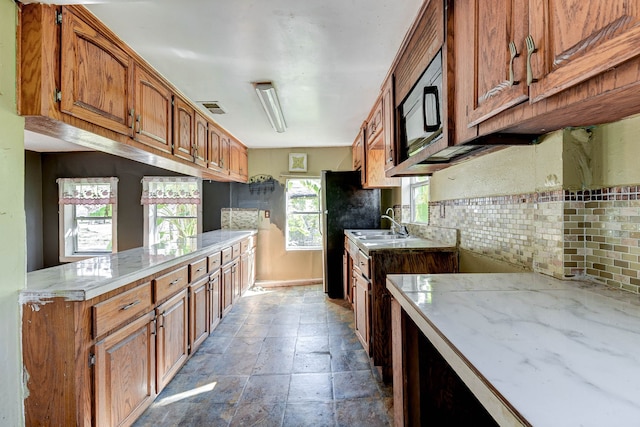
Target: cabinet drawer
[[123, 307], [170, 283], [235, 251], [226, 255], [197, 269], [363, 264], [214, 261], [248, 244]]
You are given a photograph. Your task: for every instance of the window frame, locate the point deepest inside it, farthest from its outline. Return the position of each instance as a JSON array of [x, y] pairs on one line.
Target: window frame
[[287, 245], [418, 182], [149, 213], [68, 224]]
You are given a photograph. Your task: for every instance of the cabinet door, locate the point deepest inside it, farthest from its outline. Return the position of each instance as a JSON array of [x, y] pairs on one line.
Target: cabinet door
[[200, 143], [244, 163], [172, 337], [227, 288], [361, 304], [152, 110], [214, 154], [494, 81], [245, 271], [214, 300], [198, 313], [234, 158], [388, 123], [125, 373], [96, 80], [183, 129], [357, 151], [576, 40], [235, 278], [225, 148]]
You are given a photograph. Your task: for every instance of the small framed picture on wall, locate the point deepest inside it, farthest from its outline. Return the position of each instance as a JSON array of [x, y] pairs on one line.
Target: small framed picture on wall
[[297, 162]]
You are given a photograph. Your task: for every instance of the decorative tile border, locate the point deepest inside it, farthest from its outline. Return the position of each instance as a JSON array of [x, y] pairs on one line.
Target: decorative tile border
[[563, 233]]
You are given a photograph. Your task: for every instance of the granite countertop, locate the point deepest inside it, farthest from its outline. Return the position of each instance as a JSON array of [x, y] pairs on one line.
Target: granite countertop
[[533, 349], [86, 279], [368, 245]]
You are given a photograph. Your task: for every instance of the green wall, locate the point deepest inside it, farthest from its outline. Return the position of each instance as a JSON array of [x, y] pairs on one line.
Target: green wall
[[12, 223]]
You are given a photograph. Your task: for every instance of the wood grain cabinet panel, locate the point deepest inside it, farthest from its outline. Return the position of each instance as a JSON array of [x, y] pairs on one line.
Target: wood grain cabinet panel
[[170, 283], [388, 123], [96, 80], [215, 313], [576, 40], [226, 276], [225, 148], [201, 140], [183, 129], [121, 308], [198, 313], [214, 153], [496, 82], [362, 307], [125, 382], [358, 151], [197, 269], [172, 337], [152, 110]]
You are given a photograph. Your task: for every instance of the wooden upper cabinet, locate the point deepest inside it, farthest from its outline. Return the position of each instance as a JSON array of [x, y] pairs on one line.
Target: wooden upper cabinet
[[213, 149], [375, 126], [358, 151], [200, 142], [183, 129], [225, 148], [234, 157], [577, 40], [96, 79], [388, 123], [496, 67], [152, 110]]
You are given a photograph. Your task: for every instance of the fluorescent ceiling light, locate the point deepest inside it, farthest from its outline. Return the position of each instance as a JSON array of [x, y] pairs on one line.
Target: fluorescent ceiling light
[[269, 99]]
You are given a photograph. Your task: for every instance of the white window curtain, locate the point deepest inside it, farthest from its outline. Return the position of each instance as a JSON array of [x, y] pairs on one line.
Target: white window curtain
[[88, 191], [170, 190]]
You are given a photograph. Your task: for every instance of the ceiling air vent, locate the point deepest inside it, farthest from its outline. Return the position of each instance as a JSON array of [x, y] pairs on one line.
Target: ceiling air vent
[[214, 107]]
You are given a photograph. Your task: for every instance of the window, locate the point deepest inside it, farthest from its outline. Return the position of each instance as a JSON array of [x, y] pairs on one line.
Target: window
[[419, 187], [88, 217], [172, 208], [303, 214]]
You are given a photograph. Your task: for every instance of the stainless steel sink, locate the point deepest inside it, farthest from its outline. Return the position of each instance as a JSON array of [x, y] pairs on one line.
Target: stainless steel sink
[[377, 235]]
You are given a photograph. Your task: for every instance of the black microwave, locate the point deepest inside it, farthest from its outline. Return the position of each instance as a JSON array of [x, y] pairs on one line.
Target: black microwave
[[420, 112]]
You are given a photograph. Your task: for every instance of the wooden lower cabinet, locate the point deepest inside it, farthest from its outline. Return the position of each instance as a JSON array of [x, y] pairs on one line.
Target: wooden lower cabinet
[[214, 294], [198, 313], [362, 307], [125, 373], [172, 337], [102, 362]]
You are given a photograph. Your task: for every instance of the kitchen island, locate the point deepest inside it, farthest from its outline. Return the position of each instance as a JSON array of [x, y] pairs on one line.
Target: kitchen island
[[524, 348], [103, 336], [368, 257]]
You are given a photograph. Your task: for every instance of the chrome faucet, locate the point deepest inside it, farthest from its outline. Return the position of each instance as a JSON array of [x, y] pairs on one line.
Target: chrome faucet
[[396, 227]]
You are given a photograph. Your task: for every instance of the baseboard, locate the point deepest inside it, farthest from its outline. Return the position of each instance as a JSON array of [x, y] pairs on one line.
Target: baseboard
[[282, 283]]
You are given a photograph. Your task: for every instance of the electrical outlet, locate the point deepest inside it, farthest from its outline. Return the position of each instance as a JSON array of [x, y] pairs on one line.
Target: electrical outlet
[[267, 214]]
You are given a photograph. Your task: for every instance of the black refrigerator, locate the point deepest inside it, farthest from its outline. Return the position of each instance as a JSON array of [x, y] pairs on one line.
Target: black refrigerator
[[345, 205]]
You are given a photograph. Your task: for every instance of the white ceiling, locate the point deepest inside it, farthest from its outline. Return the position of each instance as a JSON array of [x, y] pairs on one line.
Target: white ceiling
[[327, 58]]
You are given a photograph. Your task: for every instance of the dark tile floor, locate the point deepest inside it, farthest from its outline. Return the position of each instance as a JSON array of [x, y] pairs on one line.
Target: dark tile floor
[[281, 357]]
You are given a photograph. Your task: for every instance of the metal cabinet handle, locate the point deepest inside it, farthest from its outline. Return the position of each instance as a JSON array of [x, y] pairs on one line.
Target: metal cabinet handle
[[174, 282], [138, 118], [513, 55], [128, 306], [132, 113], [200, 269], [531, 49]]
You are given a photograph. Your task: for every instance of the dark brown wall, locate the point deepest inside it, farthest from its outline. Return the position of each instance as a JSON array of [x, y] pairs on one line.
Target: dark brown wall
[[94, 164], [33, 209]]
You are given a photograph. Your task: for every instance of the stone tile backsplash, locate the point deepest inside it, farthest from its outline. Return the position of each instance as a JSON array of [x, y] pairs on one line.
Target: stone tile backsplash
[[563, 233], [239, 219]]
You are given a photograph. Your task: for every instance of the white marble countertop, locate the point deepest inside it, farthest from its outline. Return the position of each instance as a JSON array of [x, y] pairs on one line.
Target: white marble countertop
[[86, 279], [533, 349], [408, 243]]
